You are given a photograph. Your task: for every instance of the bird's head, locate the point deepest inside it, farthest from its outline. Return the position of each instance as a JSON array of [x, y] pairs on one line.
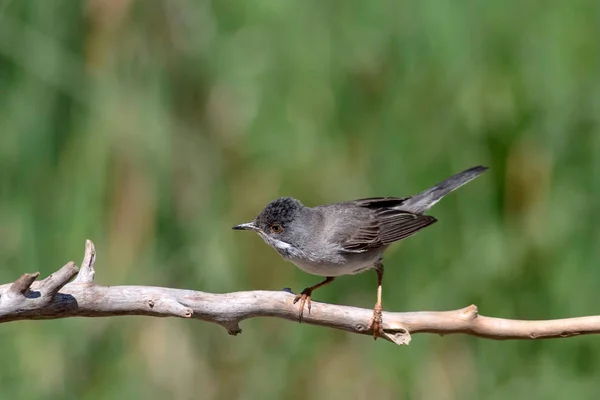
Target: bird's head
[[277, 225]]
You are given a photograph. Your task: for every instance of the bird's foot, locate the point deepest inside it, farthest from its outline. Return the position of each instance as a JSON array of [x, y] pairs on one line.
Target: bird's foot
[[377, 322], [304, 299]]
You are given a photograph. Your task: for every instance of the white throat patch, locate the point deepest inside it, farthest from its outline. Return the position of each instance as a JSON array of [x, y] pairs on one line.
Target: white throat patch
[[281, 245]]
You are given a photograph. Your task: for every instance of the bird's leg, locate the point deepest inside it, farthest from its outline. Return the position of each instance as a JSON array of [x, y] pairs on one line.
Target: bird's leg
[[377, 321], [304, 297]]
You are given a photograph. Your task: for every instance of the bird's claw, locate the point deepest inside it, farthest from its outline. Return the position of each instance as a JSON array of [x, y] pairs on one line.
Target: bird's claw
[[304, 299], [377, 322]]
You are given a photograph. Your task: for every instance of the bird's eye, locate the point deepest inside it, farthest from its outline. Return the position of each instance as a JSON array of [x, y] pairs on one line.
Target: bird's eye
[[276, 228]]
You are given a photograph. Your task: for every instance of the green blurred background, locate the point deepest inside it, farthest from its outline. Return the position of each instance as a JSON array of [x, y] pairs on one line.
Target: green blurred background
[[152, 127]]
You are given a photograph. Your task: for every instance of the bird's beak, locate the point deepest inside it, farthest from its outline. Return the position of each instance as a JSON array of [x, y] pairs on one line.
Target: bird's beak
[[248, 226]]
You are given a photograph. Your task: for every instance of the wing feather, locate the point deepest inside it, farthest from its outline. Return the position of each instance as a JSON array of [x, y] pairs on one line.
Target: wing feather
[[386, 225]]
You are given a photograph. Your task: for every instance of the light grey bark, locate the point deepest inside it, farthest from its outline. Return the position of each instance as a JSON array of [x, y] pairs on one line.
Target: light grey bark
[[54, 297]]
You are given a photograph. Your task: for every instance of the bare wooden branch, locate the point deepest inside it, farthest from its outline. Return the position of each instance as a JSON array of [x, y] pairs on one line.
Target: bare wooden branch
[[21, 285], [87, 272], [50, 286], [54, 298]]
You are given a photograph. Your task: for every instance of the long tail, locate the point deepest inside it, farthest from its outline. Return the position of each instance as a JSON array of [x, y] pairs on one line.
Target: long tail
[[426, 199]]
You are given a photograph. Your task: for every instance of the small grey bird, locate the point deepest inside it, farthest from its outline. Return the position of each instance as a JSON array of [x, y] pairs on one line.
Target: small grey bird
[[349, 237]]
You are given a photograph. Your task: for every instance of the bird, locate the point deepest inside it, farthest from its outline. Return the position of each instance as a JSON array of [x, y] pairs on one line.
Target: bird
[[349, 237]]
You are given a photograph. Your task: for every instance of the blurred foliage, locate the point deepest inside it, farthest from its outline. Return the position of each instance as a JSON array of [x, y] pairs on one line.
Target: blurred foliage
[[152, 127]]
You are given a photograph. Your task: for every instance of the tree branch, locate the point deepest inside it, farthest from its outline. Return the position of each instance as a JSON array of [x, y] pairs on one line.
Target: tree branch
[[54, 298]]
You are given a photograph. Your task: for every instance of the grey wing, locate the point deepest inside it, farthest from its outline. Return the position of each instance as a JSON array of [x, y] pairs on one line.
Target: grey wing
[[380, 202], [383, 227]]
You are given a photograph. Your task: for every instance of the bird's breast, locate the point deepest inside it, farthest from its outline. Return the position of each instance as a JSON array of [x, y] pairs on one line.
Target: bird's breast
[[330, 261], [349, 264]]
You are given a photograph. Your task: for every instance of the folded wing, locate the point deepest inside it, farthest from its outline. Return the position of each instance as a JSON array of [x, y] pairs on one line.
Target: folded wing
[[384, 225]]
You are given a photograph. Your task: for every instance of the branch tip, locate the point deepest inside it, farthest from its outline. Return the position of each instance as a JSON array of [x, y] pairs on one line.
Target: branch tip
[[233, 329], [170, 306], [470, 312], [22, 285], [56, 281], [401, 337], [87, 272]]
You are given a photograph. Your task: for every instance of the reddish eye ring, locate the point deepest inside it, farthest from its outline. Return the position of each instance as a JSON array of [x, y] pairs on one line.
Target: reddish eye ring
[[276, 228]]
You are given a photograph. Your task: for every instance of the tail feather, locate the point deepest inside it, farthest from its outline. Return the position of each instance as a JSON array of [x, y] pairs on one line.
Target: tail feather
[[426, 199]]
